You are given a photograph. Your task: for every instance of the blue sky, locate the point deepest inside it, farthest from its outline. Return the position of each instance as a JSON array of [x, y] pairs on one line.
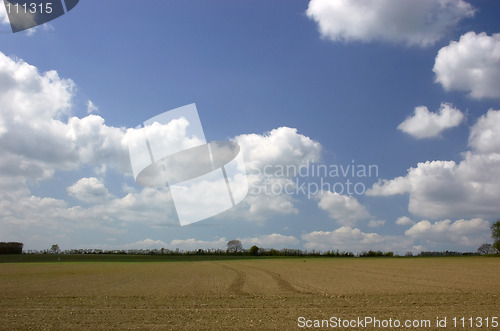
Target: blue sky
[[411, 87]]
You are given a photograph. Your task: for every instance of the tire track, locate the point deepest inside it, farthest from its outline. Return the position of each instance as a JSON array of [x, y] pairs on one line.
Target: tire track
[[283, 284], [236, 286]]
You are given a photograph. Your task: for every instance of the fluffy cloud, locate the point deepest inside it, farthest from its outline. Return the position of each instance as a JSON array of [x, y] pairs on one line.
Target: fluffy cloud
[[404, 220], [192, 244], [469, 188], [424, 235], [425, 124], [38, 137], [36, 140], [471, 64], [485, 134], [384, 187], [32, 138], [447, 189], [91, 107], [346, 210], [146, 244], [351, 239], [274, 240], [283, 146], [271, 193], [90, 190], [149, 206], [470, 233], [415, 23], [41, 220], [97, 143]]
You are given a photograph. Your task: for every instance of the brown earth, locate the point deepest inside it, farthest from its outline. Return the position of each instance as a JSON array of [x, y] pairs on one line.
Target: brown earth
[[247, 294]]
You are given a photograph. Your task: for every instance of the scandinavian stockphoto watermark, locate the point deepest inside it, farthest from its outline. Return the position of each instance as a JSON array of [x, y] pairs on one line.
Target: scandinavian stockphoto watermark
[[170, 149], [206, 179], [310, 178], [27, 14]]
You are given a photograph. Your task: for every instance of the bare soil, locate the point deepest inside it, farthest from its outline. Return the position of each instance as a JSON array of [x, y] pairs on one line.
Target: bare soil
[[245, 294]]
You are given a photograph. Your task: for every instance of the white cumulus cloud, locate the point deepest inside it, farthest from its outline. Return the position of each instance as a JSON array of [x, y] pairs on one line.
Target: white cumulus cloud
[[272, 192], [283, 146], [426, 124], [37, 139], [90, 190], [346, 210], [274, 240], [146, 244], [404, 220], [471, 64], [471, 233], [485, 134], [469, 188], [414, 23], [351, 239], [447, 189]]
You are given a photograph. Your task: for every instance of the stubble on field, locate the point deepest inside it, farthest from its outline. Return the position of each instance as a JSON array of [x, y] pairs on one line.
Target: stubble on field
[[243, 294]]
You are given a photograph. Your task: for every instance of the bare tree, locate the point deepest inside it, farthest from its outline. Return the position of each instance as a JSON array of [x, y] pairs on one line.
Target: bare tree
[[495, 234], [487, 249], [55, 249], [234, 246]]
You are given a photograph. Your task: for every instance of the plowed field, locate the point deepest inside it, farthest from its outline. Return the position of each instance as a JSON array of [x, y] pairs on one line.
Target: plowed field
[[255, 294]]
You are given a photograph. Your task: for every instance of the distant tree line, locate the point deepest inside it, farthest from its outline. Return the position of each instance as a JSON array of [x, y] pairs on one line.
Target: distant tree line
[[448, 253], [235, 248], [11, 247], [371, 253], [173, 252], [487, 249], [257, 251]]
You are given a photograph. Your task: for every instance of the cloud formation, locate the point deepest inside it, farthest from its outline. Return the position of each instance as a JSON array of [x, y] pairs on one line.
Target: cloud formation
[[146, 244], [346, 210], [347, 238], [414, 23], [92, 108], [193, 244], [90, 190], [274, 240], [278, 148], [404, 220], [485, 134], [425, 124], [38, 136], [282, 146], [470, 233], [471, 64], [469, 188]]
